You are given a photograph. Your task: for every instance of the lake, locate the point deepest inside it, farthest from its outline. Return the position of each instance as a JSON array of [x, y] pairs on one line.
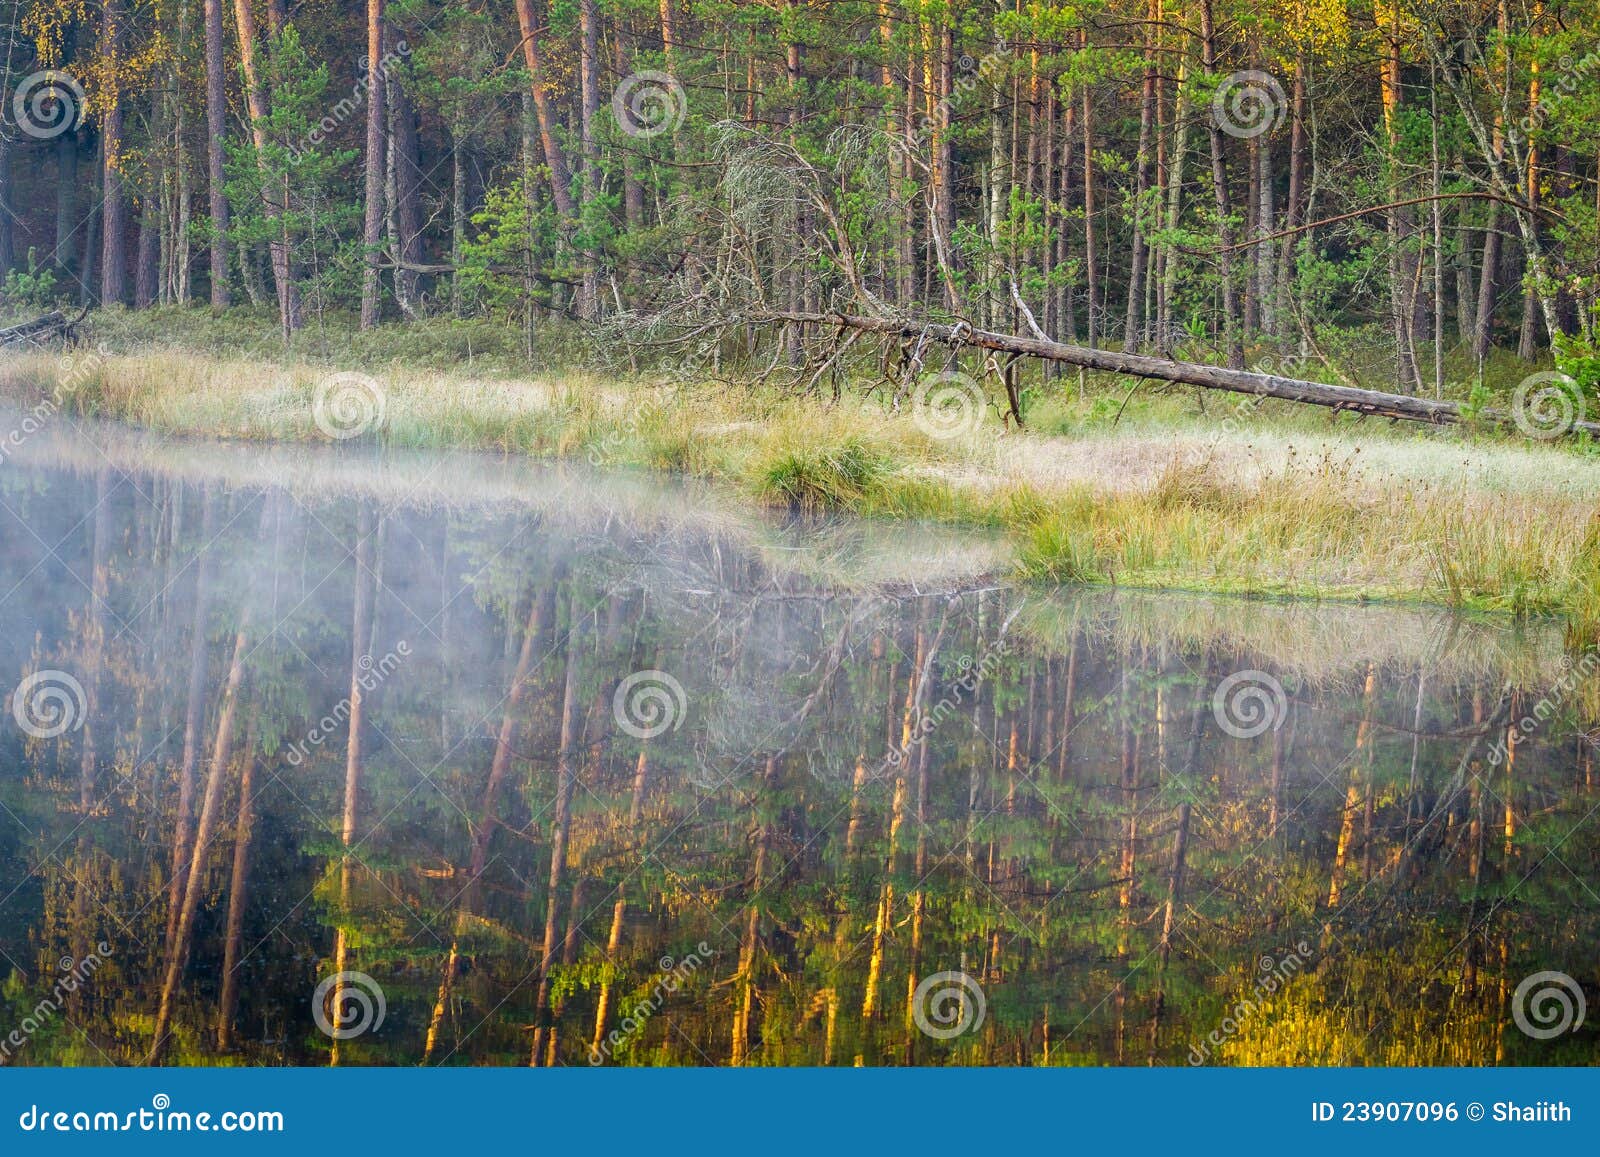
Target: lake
[[341, 756]]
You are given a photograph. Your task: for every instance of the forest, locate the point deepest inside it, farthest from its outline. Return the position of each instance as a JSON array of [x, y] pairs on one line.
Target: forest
[[799, 532], [1405, 191]]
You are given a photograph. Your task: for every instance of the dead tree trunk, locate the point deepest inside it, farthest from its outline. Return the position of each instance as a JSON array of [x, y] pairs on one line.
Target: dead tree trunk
[[1367, 402]]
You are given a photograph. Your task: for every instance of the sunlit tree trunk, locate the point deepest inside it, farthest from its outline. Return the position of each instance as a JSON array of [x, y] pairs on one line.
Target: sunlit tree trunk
[[211, 806], [360, 664], [216, 129], [1233, 338], [602, 1009], [94, 642], [238, 891], [273, 194], [750, 940], [541, 611], [114, 205], [372, 227], [561, 818], [194, 716]]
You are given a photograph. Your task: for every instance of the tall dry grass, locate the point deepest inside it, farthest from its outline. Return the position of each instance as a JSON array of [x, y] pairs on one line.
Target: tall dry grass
[[1276, 507]]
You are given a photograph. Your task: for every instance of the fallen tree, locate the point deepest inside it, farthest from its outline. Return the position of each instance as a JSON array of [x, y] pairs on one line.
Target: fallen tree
[[47, 327], [1338, 398]]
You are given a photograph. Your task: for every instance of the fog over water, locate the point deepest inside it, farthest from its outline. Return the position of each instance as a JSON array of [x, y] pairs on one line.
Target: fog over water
[[339, 755]]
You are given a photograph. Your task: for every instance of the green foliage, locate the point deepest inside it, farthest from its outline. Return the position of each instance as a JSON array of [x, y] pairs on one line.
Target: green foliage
[[831, 476], [35, 286], [293, 191]]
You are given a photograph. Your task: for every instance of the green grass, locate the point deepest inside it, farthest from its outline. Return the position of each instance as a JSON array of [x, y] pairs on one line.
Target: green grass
[[1274, 499]]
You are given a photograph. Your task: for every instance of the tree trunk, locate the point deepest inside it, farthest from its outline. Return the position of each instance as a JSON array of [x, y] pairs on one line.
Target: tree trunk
[[540, 612], [561, 818], [1373, 403], [216, 127], [66, 199], [406, 164], [221, 753], [588, 109], [256, 101], [1233, 339], [194, 718], [372, 226], [114, 206], [1134, 322], [364, 583], [555, 157], [238, 893]]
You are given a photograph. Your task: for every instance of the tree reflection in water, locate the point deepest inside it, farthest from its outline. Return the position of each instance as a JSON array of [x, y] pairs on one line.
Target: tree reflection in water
[[403, 764]]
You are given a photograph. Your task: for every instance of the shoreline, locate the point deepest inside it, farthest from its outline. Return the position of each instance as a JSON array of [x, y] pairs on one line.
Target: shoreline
[[1273, 506]]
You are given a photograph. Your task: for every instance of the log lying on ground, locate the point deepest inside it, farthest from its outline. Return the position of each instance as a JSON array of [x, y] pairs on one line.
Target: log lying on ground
[[1373, 402], [50, 326]]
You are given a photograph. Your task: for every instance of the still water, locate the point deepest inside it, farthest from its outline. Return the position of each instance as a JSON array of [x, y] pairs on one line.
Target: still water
[[348, 757]]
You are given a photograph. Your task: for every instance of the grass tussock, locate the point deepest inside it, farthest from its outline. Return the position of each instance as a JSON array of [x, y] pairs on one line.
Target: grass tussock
[[1277, 504]]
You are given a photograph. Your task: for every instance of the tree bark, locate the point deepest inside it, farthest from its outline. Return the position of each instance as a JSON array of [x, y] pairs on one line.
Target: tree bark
[[194, 717], [216, 128], [1373, 403], [372, 223], [566, 773], [114, 206], [256, 100]]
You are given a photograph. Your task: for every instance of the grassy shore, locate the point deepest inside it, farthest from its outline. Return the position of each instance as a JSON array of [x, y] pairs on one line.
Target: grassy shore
[[1169, 491]]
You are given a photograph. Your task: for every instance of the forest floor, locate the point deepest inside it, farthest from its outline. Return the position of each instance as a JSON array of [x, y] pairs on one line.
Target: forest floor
[[1166, 490]]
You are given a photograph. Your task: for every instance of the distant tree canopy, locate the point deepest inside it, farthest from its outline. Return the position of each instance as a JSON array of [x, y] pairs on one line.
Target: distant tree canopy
[[1225, 179]]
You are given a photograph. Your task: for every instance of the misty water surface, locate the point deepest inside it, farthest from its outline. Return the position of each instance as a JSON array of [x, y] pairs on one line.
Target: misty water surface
[[338, 756]]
